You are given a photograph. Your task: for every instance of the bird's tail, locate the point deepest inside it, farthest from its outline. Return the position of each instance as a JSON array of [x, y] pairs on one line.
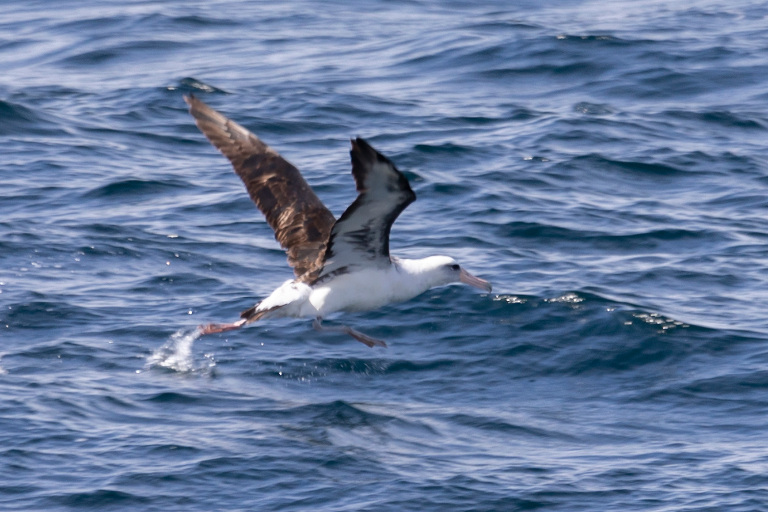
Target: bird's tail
[[254, 313]]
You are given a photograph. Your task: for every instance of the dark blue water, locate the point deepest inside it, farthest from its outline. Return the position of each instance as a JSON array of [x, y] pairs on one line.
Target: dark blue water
[[603, 164]]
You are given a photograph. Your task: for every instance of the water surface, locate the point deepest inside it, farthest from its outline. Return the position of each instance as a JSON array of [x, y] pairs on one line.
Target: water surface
[[603, 165]]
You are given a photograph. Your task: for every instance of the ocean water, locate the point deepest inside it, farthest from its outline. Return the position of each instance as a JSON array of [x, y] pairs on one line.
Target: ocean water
[[604, 165]]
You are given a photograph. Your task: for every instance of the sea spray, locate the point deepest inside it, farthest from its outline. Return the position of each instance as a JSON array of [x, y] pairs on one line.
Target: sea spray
[[176, 353]]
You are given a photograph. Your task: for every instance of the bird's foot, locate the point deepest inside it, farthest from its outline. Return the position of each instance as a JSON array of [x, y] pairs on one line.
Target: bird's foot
[[362, 338], [216, 328]]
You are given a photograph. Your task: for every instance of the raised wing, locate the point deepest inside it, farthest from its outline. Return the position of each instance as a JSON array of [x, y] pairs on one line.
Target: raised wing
[[360, 238], [301, 222]]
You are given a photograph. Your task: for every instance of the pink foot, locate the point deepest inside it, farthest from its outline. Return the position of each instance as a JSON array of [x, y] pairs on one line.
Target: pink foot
[[214, 328]]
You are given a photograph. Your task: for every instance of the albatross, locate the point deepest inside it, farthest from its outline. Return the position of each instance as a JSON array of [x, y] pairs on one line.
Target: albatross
[[339, 265]]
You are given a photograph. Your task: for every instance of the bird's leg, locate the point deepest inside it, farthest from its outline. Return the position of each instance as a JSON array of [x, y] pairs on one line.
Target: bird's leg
[[214, 328], [362, 338]]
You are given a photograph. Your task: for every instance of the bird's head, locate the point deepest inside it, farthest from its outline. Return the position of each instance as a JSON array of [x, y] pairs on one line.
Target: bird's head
[[446, 270]]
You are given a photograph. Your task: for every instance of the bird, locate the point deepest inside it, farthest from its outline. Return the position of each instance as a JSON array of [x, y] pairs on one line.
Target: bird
[[339, 265]]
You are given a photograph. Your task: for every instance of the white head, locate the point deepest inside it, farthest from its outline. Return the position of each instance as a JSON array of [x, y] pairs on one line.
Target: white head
[[440, 270]]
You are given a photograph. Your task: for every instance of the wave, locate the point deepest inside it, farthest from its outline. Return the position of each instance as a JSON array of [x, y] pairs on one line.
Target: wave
[[446, 331], [18, 119], [125, 188], [45, 312]]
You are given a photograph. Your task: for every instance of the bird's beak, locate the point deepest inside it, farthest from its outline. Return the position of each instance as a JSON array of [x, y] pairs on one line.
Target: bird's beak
[[467, 278]]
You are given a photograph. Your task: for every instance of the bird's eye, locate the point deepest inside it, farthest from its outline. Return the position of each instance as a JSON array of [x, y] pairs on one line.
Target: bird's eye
[[455, 267]]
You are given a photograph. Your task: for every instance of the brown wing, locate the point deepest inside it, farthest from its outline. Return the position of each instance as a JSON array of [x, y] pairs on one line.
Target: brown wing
[[301, 222]]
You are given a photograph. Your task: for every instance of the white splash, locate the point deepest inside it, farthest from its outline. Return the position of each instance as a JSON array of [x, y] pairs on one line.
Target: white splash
[[176, 353]]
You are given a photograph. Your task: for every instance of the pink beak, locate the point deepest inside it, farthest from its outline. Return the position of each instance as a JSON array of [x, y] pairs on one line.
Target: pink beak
[[467, 278]]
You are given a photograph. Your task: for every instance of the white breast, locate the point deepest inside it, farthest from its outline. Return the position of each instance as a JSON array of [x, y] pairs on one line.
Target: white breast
[[363, 291]]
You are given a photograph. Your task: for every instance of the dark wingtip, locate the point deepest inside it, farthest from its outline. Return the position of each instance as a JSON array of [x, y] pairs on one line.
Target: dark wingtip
[[363, 149], [361, 141], [360, 146]]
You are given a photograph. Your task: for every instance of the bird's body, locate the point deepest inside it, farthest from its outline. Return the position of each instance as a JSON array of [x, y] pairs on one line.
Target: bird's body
[[364, 290], [339, 265]]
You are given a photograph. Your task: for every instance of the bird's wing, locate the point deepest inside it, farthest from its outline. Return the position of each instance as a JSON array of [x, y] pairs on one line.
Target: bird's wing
[[301, 222], [360, 238]]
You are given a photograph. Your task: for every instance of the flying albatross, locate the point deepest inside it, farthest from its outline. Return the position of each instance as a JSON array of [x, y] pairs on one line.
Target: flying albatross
[[339, 265]]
